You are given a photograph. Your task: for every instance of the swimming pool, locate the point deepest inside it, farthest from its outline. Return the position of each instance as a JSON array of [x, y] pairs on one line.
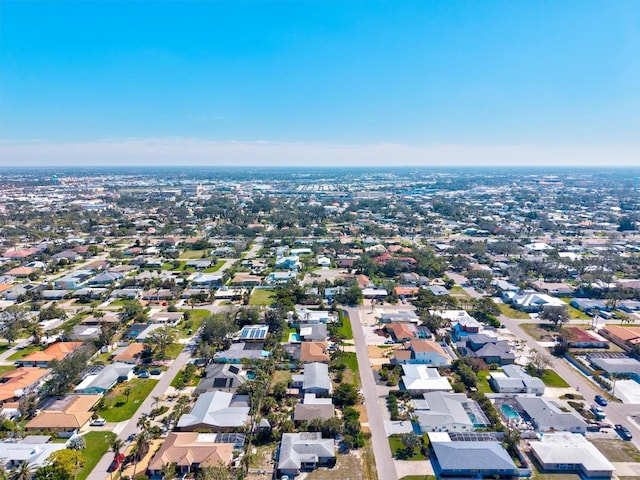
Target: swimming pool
[[294, 338], [509, 411]]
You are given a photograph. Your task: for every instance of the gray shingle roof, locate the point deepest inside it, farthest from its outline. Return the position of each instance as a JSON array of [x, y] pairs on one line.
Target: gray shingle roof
[[473, 455], [217, 409]]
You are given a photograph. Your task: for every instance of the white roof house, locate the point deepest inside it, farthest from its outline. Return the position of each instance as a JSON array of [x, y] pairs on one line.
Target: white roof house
[[33, 449], [440, 411], [420, 378], [216, 411], [571, 452]]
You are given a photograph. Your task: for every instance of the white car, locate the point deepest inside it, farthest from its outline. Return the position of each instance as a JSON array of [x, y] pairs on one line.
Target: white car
[[98, 422]]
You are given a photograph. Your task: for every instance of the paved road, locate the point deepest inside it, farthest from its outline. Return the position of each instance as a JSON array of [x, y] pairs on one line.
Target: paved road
[[100, 470], [616, 412], [381, 450], [255, 248]]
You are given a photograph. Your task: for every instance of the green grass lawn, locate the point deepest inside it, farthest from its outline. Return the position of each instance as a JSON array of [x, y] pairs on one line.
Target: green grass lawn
[[214, 268], [458, 290], [552, 379], [350, 360], [507, 311], [196, 317], [192, 254], [6, 369], [97, 445], [345, 328], [483, 382], [261, 297], [174, 350], [19, 354], [398, 450], [116, 303], [116, 406]]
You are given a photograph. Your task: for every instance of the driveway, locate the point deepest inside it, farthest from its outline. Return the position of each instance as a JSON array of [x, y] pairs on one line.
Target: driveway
[[381, 450]]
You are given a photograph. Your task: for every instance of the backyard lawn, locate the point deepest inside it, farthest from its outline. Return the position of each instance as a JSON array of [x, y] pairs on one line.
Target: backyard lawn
[[483, 382], [192, 254], [214, 268], [117, 407], [260, 297], [97, 445]]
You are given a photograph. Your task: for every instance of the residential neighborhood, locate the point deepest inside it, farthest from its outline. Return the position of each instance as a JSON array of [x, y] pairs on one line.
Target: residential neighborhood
[[362, 325]]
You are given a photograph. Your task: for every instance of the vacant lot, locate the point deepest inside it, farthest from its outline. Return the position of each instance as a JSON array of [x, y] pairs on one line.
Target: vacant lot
[[119, 406], [552, 379], [507, 311], [542, 332], [617, 450], [261, 297], [347, 466]]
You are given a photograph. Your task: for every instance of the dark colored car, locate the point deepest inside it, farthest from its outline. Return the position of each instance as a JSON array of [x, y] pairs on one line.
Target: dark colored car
[[143, 374], [623, 432], [600, 400], [155, 371]]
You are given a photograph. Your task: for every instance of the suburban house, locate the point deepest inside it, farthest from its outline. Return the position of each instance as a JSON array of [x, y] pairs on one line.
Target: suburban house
[[73, 280], [313, 332], [43, 359], [568, 452], [237, 351], [513, 379], [19, 382], [545, 415], [532, 301], [254, 333], [65, 415], [190, 451], [616, 364], [315, 379], [33, 449], [166, 318], [442, 412], [474, 459], [487, 348], [221, 376], [425, 352], [216, 411], [578, 337], [402, 332], [313, 407], [314, 352], [305, 451], [625, 337], [588, 305], [104, 380], [129, 354], [421, 379]]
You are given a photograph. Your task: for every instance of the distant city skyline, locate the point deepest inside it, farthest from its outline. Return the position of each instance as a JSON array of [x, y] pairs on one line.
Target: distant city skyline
[[312, 83]]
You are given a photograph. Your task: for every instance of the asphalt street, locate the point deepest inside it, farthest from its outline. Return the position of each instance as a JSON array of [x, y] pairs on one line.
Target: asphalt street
[[381, 450]]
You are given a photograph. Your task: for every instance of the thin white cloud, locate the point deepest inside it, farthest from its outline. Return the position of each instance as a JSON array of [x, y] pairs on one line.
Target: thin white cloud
[[188, 151]]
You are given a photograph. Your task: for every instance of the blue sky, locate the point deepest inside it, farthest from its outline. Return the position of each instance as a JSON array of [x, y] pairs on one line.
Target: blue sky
[[398, 82]]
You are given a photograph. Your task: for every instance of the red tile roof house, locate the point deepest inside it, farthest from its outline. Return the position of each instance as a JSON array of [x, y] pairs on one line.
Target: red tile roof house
[[43, 359], [580, 338]]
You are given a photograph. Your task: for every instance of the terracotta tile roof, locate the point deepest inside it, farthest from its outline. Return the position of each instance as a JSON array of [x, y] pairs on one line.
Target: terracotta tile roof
[[314, 352], [427, 346], [20, 271], [5, 286], [132, 353], [627, 334], [70, 412], [19, 379], [402, 330], [57, 351], [186, 448]]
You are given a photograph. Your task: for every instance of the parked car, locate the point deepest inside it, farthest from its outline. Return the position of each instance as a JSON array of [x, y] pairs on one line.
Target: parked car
[[143, 374], [623, 432], [115, 464], [98, 422], [155, 371], [598, 412], [600, 400]]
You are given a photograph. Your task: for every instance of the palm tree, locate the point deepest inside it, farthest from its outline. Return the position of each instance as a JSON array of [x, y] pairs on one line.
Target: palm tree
[[168, 471], [23, 472], [156, 400], [116, 445]]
